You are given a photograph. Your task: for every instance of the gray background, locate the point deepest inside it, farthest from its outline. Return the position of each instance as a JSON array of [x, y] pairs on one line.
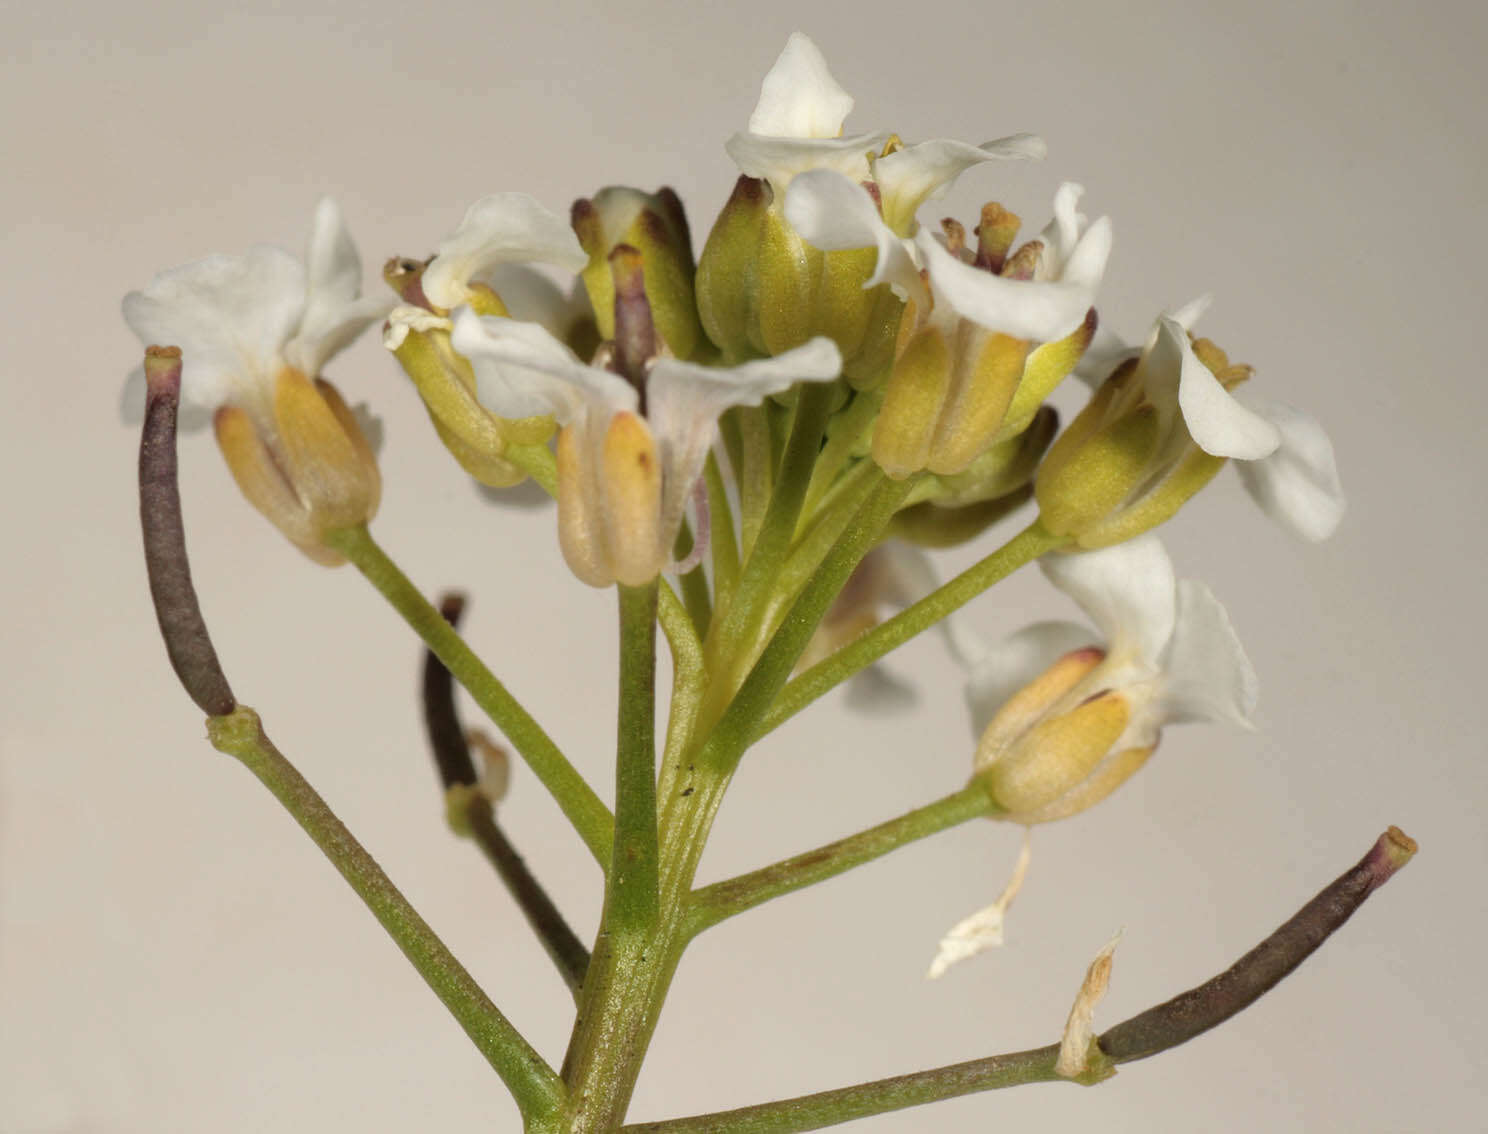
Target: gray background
[[175, 956]]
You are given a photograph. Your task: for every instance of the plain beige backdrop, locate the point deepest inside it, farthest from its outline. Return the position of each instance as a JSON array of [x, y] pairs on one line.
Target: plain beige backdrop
[[174, 956]]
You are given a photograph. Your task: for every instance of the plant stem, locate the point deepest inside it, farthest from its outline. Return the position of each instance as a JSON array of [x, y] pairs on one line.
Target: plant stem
[[741, 723], [532, 1082], [585, 810], [828, 1108], [477, 813], [556, 936], [725, 899], [830, 672], [631, 896], [1145, 1034]]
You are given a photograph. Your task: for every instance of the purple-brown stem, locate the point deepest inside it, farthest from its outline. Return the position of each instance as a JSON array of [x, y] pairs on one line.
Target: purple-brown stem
[[187, 642], [452, 757], [1196, 1011]]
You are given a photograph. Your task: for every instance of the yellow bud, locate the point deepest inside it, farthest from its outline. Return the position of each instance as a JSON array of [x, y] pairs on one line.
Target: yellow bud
[[311, 471], [988, 368], [1056, 755], [609, 503], [912, 404], [1047, 366], [1081, 484]]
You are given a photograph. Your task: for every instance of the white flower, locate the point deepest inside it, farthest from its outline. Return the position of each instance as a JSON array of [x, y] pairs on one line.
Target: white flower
[[797, 126], [833, 213], [497, 232], [1065, 717], [625, 471], [242, 320], [1287, 466]]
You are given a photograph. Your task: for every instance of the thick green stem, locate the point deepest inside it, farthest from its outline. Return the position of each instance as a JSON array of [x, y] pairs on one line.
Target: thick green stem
[[722, 900], [584, 809], [532, 1082], [827, 674], [631, 898], [741, 723]]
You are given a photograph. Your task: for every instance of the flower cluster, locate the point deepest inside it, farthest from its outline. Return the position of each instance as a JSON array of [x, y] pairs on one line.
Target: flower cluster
[[823, 349]]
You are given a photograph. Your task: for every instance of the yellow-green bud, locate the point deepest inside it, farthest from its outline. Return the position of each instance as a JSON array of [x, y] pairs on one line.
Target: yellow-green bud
[[655, 225], [1126, 464], [762, 290]]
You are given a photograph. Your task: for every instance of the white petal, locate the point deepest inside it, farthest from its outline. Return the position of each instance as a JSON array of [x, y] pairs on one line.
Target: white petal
[[833, 213], [1220, 425], [1207, 675], [1012, 663], [1079, 1029], [334, 316], [317, 343], [521, 370], [1128, 590], [534, 297], [333, 268], [909, 177], [502, 228], [1025, 309], [1298, 485], [983, 929], [230, 315], [1063, 232], [799, 98], [1191, 312], [685, 400], [779, 160]]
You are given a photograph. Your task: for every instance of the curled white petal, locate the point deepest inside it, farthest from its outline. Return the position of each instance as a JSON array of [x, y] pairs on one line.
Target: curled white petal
[[1041, 312], [1128, 590], [833, 213], [780, 160], [334, 313], [521, 370], [499, 229], [1209, 677], [1219, 424], [685, 401], [1012, 663], [799, 98], [1188, 314], [1297, 485], [984, 929], [1079, 1029], [913, 175]]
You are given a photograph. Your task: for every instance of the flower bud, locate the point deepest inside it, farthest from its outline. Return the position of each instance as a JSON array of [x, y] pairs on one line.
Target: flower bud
[[656, 226], [309, 467], [1128, 461], [958, 387], [1043, 757], [762, 290], [609, 504], [419, 340]]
